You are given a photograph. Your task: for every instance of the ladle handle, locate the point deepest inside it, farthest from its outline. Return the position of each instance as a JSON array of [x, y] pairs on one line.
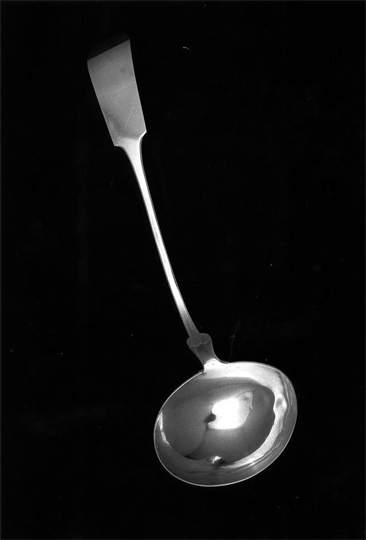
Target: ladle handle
[[199, 343]]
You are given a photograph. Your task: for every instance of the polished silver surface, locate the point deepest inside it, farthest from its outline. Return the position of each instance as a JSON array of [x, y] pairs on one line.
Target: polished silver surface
[[114, 82], [113, 78], [226, 424], [231, 420]]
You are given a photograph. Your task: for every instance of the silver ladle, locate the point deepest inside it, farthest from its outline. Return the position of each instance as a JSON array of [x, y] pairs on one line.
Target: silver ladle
[[231, 420]]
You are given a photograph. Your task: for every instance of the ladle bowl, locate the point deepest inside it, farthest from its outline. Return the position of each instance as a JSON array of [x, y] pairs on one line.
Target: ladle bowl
[[225, 424]]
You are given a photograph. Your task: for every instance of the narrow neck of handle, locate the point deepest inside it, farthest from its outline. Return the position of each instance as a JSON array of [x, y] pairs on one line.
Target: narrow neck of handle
[[132, 148]]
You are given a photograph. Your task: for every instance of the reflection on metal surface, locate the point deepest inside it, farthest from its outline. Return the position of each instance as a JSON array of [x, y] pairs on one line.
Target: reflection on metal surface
[[232, 412], [226, 424]]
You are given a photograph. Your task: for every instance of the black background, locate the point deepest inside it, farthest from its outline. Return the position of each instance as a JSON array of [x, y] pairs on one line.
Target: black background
[[255, 158]]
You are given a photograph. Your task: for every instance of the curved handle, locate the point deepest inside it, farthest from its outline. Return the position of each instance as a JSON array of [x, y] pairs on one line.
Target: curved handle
[[200, 344]]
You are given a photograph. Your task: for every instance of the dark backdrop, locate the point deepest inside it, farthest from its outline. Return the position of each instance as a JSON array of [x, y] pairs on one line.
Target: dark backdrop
[[255, 159]]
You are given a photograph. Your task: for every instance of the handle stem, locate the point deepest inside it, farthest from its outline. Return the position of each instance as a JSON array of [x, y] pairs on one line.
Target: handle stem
[[198, 343]]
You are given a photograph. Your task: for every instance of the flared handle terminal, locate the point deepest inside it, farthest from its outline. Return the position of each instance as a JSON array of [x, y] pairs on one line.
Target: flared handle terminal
[[201, 346]]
